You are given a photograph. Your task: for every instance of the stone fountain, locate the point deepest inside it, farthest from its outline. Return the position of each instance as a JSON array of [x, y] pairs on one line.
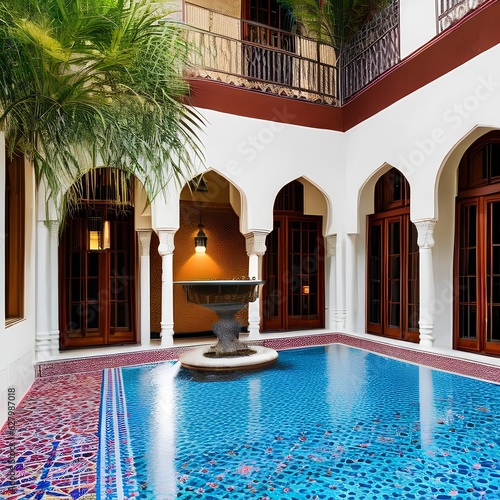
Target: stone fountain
[[226, 298]]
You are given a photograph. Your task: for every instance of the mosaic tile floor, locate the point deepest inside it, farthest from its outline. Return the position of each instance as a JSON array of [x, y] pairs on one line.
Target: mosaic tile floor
[[55, 439]]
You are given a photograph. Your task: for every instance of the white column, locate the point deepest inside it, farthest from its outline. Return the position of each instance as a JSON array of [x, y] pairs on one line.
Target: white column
[[47, 290], [340, 310], [42, 299], [256, 248], [425, 242], [144, 237], [166, 250], [331, 281], [54, 288], [351, 283]]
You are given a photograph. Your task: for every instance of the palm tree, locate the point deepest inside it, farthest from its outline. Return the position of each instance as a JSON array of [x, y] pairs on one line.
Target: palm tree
[[333, 21], [88, 83]]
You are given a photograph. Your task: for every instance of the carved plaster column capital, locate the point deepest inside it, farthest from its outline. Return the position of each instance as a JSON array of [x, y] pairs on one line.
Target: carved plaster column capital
[[425, 242], [166, 246], [256, 243], [166, 250], [144, 236], [425, 228], [53, 226], [331, 245]]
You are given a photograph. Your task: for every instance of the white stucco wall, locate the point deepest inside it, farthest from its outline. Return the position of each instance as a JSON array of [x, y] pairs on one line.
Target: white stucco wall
[[2, 232], [17, 342], [417, 23], [417, 133], [420, 135], [260, 157], [4, 379]]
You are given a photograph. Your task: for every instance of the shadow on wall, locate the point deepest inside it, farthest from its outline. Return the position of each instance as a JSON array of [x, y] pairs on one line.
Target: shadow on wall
[[225, 258]]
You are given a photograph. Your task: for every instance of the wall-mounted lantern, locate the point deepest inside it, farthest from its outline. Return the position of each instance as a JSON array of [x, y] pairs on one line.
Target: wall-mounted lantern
[[200, 240]]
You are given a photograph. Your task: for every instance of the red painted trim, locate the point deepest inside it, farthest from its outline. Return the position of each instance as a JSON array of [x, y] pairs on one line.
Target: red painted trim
[[475, 34], [254, 104]]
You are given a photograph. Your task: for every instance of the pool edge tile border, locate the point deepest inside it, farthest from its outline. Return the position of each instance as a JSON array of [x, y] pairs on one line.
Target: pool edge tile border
[[438, 361], [115, 459]]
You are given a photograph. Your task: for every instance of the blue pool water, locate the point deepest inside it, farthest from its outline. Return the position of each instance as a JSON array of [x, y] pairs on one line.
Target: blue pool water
[[321, 423]]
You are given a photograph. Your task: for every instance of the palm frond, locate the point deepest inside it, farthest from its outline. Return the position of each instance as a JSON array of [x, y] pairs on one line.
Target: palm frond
[[89, 83], [333, 21]]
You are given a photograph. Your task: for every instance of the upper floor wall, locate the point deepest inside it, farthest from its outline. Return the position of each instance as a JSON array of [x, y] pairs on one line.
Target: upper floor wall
[[406, 46]]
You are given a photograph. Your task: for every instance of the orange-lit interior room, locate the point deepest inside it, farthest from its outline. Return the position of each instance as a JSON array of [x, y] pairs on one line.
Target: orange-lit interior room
[[225, 256]]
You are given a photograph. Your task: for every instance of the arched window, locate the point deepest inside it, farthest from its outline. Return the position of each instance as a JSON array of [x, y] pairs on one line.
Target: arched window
[[477, 248], [392, 266], [97, 256]]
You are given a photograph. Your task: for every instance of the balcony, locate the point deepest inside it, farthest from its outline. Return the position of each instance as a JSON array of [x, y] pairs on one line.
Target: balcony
[[450, 12], [372, 50], [253, 56], [258, 57]]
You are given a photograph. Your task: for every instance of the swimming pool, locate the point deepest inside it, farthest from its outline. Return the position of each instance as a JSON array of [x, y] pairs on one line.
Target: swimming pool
[[322, 422]]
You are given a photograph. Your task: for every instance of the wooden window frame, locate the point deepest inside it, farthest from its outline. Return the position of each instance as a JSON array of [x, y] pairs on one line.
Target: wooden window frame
[[480, 344], [384, 192], [105, 333], [467, 186], [246, 11], [283, 321], [15, 227], [477, 191], [389, 210]]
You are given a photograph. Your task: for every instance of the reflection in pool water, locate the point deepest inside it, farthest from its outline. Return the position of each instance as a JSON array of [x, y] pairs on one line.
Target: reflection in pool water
[[324, 422]]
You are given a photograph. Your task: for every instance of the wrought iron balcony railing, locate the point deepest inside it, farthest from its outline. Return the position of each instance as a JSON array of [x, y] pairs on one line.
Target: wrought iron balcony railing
[[451, 11], [259, 57], [372, 51]]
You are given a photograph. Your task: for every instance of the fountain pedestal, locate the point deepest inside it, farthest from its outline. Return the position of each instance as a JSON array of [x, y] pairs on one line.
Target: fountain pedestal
[[226, 298], [227, 331]]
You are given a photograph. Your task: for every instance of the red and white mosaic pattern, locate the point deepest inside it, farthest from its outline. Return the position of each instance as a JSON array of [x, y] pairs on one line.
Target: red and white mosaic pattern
[[440, 362], [97, 363], [55, 440]]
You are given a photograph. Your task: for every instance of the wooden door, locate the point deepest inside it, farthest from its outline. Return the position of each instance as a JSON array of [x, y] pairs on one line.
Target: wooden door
[[293, 296], [97, 286], [492, 253], [477, 275], [392, 276]]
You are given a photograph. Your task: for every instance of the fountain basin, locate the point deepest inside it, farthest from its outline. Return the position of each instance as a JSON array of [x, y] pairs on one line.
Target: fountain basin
[[195, 359], [221, 295], [226, 298]]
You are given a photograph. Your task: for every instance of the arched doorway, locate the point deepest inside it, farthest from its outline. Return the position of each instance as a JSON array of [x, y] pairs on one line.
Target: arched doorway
[[293, 296], [477, 248], [392, 265], [97, 255]]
